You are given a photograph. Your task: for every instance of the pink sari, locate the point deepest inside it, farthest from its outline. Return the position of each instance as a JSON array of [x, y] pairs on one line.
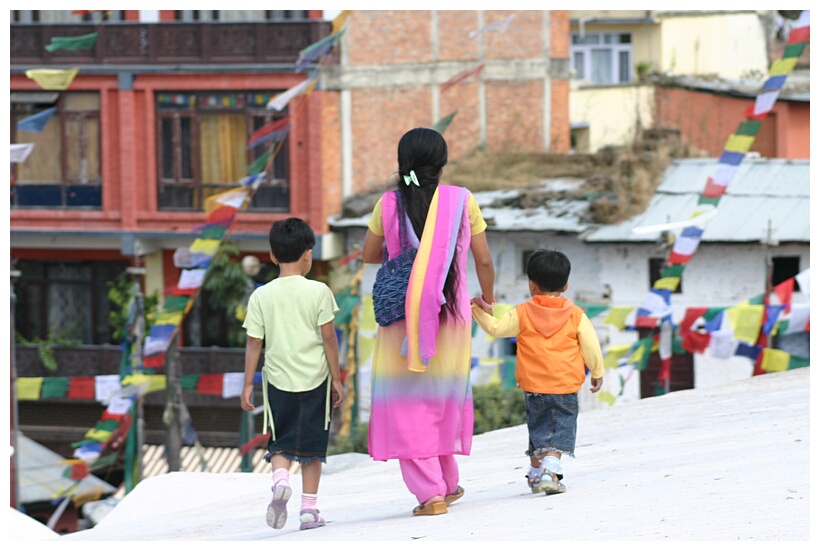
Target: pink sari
[[421, 400]]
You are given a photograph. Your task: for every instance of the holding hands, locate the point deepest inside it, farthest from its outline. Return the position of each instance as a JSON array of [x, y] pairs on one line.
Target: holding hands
[[487, 307]]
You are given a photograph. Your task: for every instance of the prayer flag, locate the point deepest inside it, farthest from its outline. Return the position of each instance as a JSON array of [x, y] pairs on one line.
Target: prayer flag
[[804, 281], [72, 43], [695, 341], [724, 174], [210, 384], [782, 66], [774, 360], [497, 26], [221, 216], [28, 388], [174, 304], [772, 315], [210, 231], [317, 50], [794, 50], [746, 321], [749, 128], [274, 130], [739, 144], [55, 387], [232, 384], [617, 316], [20, 152], [774, 83], [205, 246], [731, 158], [52, 79], [157, 360], [37, 122], [713, 190], [683, 249], [613, 354], [104, 386], [259, 163], [763, 103], [474, 72], [798, 361], [606, 397], [784, 291], [670, 283], [444, 122], [281, 101], [722, 344], [591, 310], [188, 279], [751, 351], [81, 388], [798, 319], [339, 21]]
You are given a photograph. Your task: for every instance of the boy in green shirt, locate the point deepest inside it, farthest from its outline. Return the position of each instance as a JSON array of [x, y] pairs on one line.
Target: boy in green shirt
[[293, 317]]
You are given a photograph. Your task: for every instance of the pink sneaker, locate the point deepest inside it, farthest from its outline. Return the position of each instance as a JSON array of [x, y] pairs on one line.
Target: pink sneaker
[[278, 507], [310, 519]]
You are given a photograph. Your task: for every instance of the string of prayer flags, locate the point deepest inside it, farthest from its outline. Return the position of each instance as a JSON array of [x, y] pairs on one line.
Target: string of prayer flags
[[259, 163], [52, 79], [318, 49], [19, 152], [36, 122], [497, 26], [803, 279], [617, 316], [444, 122], [745, 321], [591, 310], [276, 130], [800, 30], [281, 101], [464, 75], [685, 246], [339, 21], [72, 43]]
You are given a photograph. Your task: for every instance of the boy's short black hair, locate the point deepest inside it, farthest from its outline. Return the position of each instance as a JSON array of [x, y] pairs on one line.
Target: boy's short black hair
[[548, 269], [290, 238]]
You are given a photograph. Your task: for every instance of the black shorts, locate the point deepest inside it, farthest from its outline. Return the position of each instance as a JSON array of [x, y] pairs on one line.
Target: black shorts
[[299, 423]]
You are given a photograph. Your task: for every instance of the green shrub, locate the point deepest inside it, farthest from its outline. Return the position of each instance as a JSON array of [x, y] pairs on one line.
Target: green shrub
[[495, 408]]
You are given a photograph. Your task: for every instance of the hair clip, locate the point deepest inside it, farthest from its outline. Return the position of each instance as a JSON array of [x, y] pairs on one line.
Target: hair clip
[[411, 179]]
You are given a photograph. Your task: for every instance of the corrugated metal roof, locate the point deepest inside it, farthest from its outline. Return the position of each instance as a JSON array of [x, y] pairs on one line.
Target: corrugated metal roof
[[762, 190], [41, 477]]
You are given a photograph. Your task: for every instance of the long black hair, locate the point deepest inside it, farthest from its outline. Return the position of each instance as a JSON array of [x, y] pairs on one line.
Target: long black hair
[[424, 151]]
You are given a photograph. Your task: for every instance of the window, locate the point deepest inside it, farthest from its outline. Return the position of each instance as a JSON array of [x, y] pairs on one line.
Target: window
[[63, 169], [785, 267], [602, 58], [278, 15], [25, 16], [196, 15], [202, 140], [525, 255], [656, 266], [67, 299]]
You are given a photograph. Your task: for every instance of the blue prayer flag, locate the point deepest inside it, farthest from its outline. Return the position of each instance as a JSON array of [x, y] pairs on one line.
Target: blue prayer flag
[[36, 123]]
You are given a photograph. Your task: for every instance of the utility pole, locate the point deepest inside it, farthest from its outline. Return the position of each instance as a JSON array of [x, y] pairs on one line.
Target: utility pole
[[173, 409], [15, 456]]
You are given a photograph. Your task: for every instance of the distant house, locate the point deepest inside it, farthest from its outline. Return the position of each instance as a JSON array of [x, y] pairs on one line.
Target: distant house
[[764, 214]]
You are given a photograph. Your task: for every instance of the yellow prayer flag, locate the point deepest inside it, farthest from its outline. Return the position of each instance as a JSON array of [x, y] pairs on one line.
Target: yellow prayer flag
[[739, 144], [617, 316], [234, 197], [28, 388], [745, 321], [636, 356], [670, 283], [774, 360], [157, 382], [205, 246], [495, 378], [95, 494], [368, 319], [52, 79], [134, 379], [615, 353], [339, 21], [782, 66], [98, 435], [606, 397], [168, 318]]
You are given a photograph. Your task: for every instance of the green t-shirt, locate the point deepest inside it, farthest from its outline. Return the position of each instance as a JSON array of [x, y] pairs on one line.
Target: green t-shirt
[[288, 314]]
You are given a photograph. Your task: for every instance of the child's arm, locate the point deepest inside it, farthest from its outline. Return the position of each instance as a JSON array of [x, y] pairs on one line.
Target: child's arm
[[591, 352], [507, 326], [331, 345], [253, 349]]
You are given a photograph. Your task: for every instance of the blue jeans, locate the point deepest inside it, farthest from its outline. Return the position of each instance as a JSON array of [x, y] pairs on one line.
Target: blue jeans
[[551, 421]]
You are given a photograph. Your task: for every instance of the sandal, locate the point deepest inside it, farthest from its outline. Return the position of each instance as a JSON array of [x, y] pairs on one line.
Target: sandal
[[449, 498], [437, 508], [310, 518], [278, 508]]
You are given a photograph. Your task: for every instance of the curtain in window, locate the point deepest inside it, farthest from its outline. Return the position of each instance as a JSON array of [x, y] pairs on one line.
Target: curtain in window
[[82, 150], [43, 164], [223, 138], [601, 66]]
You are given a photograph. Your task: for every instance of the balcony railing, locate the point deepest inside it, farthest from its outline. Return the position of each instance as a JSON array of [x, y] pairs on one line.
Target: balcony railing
[[168, 43]]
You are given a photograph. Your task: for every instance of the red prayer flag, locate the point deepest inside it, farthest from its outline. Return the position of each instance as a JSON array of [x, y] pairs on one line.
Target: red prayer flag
[[800, 34], [78, 471], [750, 113], [81, 388], [695, 341], [784, 292], [689, 318], [713, 190], [107, 415], [157, 360], [253, 443], [665, 372], [677, 258], [646, 321], [222, 215], [462, 76], [210, 384], [272, 126]]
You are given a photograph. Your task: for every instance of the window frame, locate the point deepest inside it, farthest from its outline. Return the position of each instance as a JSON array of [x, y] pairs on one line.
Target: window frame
[[656, 266], [65, 181], [615, 48]]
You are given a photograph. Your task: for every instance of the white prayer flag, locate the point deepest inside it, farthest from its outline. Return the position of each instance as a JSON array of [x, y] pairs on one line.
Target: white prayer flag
[[104, 385], [685, 245], [232, 199], [804, 281], [119, 405], [191, 279], [722, 344], [724, 174], [20, 152], [155, 346], [281, 101], [765, 101], [798, 319], [656, 306], [232, 384]]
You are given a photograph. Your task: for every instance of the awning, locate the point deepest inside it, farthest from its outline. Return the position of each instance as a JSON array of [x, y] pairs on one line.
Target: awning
[[34, 97]]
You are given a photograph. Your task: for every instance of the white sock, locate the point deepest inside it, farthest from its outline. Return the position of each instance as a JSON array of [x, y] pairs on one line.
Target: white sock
[[552, 464]]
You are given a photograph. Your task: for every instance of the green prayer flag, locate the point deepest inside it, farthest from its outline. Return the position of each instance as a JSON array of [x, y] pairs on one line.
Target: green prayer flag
[[189, 381], [672, 270], [703, 200], [442, 124], [748, 128], [710, 314], [346, 303], [109, 425], [794, 50], [258, 164], [213, 232], [54, 387], [756, 299], [641, 351], [72, 43], [175, 303], [798, 361]]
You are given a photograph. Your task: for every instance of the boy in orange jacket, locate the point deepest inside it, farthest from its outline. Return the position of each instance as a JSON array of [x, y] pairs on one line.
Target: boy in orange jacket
[[555, 341]]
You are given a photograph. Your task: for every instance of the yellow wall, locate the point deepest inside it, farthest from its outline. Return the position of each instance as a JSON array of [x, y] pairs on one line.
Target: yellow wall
[[727, 45], [612, 112], [154, 274]]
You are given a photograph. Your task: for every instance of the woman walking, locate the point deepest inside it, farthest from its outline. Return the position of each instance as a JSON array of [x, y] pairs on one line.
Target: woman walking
[[422, 407]]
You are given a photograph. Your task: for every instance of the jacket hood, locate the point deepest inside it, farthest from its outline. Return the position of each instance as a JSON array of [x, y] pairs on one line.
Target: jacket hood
[[548, 314]]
